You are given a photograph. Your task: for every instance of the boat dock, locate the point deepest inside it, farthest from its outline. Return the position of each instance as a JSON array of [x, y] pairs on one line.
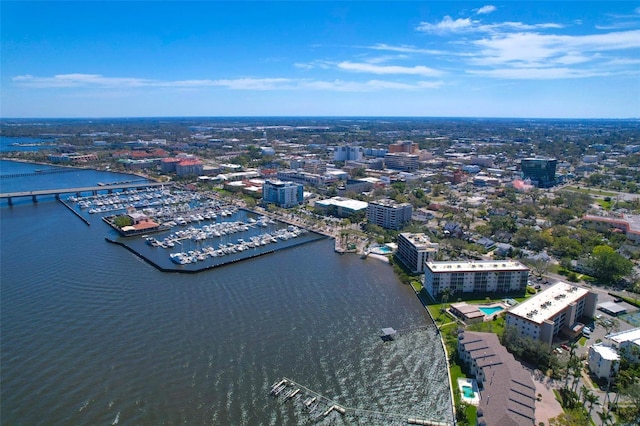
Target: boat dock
[[319, 407]]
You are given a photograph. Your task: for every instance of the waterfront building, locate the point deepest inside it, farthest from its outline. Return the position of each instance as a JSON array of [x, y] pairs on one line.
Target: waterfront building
[[603, 360], [389, 214], [414, 250], [168, 165], [507, 390], [352, 153], [490, 276], [72, 158], [340, 206], [189, 168], [283, 194], [541, 171], [402, 161], [556, 309]]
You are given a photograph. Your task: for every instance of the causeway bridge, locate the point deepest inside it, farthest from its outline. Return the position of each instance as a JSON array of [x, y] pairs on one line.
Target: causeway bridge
[[9, 196]]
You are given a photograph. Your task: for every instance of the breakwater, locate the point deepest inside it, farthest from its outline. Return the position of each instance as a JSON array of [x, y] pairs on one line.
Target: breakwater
[[190, 269]]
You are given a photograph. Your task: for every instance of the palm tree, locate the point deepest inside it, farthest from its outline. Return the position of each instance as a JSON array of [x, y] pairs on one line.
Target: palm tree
[[606, 417], [591, 398], [445, 297]]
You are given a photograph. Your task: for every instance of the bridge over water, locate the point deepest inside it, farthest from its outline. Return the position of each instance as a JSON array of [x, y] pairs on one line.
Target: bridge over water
[[9, 196]]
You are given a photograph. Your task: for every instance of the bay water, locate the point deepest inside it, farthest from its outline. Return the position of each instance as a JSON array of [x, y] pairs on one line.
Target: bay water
[[92, 334]]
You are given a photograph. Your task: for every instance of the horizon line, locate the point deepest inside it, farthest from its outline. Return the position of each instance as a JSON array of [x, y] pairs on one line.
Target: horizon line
[[631, 118]]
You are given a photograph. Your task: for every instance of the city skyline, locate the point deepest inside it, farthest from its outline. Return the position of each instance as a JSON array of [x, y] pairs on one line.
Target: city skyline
[[441, 59]]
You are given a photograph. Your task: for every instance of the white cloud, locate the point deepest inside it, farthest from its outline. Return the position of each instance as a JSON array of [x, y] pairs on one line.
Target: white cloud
[[405, 49], [540, 73], [523, 48], [96, 81], [484, 10], [467, 25], [370, 86], [388, 69], [447, 25]]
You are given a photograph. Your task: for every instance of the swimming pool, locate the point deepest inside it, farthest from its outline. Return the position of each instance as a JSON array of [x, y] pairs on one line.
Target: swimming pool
[[381, 250], [468, 392], [492, 310]]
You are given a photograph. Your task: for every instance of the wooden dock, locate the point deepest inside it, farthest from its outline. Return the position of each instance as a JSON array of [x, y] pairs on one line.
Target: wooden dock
[[319, 407]]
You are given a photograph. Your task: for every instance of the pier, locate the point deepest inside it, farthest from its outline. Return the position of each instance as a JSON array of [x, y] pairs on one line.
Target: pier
[[318, 406], [38, 173], [9, 196]]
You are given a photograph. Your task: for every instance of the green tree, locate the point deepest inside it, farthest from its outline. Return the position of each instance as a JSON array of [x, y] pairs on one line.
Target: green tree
[[122, 221], [609, 266]]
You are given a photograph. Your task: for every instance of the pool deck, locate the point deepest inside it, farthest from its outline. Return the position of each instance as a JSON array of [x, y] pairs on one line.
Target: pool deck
[[471, 383]]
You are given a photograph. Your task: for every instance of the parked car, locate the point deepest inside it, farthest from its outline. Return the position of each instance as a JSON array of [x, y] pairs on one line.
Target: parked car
[[565, 347]]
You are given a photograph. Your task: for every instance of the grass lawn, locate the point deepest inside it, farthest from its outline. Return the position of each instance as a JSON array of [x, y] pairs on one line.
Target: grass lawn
[[590, 191], [582, 341]]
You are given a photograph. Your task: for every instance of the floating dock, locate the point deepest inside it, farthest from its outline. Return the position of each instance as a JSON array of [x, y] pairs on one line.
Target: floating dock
[[319, 407]]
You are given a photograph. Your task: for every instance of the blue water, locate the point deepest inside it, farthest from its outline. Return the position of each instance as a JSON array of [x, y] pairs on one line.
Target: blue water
[[19, 144], [92, 334], [491, 311]]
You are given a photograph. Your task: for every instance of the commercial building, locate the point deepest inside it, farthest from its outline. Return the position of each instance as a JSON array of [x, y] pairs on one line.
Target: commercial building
[[389, 214], [507, 390], [352, 153], [402, 161], [404, 146], [541, 171], [189, 168], [475, 277], [283, 194], [555, 309], [627, 223], [414, 250], [340, 206]]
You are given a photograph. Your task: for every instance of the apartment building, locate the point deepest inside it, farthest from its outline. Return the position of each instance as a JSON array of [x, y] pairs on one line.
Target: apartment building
[[499, 276], [547, 313], [414, 250], [389, 214]]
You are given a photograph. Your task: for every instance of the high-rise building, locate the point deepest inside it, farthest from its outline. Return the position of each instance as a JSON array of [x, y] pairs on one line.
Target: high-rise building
[[389, 214], [283, 194], [402, 161], [541, 171], [348, 153], [414, 250]]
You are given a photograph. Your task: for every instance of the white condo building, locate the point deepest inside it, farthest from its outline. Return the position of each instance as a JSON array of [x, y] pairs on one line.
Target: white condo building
[[389, 214], [500, 276], [603, 361], [544, 315], [414, 250]]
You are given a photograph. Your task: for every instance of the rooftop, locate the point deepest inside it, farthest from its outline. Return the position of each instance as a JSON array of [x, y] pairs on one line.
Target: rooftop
[[476, 266], [548, 303], [344, 202], [626, 336], [508, 397], [420, 240], [606, 352]]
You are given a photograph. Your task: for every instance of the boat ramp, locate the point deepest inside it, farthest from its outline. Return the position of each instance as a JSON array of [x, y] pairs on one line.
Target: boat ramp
[[319, 407]]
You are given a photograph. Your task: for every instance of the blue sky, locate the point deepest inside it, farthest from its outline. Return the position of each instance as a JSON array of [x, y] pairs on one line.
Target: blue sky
[[465, 59]]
